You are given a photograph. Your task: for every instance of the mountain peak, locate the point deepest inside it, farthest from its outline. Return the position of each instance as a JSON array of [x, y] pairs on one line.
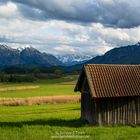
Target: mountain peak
[[27, 47], [30, 49], [138, 44], [5, 47]]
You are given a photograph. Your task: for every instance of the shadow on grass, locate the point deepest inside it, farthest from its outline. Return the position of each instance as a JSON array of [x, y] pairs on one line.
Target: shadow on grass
[[50, 122]]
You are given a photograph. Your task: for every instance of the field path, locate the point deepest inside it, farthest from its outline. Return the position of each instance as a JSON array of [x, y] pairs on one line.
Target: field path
[[18, 88]]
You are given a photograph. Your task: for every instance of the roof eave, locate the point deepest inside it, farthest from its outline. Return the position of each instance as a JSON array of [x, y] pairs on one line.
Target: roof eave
[[91, 86]]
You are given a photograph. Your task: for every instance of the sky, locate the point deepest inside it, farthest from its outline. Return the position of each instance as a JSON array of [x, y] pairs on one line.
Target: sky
[[70, 26]]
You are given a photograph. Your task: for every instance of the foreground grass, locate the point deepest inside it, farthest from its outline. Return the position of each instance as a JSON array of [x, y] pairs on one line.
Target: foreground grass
[[58, 120], [46, 88]]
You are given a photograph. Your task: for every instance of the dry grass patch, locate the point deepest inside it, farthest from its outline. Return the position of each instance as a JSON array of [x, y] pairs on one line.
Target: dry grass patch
[[39, 100], [69, 83], [18, 88]]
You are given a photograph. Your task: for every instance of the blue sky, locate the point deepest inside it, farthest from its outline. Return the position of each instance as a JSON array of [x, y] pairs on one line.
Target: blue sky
[[73, 26]]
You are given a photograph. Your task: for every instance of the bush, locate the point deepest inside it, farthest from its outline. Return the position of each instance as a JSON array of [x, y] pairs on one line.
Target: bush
[[22, 78], [48, 76], [4, 78]]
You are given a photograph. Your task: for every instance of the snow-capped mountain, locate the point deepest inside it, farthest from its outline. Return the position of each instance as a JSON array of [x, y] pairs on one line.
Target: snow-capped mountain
[[21, 48], [72, 59], [28, 56]]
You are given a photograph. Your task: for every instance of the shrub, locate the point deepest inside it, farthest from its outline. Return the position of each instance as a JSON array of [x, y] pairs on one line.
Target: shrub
[[22, 78], [4, 78]]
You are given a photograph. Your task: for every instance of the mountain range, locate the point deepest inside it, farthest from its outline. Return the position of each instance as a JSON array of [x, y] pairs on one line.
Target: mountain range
[[123, 55], [30, 56], [26, 57]]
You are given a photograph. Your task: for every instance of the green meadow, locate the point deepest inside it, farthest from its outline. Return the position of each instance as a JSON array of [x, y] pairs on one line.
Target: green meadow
[[53, 121], [47, 87], [56, 121]]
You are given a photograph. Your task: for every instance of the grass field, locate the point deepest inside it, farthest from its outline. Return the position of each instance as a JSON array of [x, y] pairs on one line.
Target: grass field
[[53, 121], [56, 121], [46, 88]]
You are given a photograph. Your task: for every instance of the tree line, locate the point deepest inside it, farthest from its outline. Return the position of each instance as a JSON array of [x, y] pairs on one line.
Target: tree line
[[13, 74]]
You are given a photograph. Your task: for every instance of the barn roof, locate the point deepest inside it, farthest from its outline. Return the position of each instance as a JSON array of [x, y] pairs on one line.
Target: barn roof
[[107, 80]]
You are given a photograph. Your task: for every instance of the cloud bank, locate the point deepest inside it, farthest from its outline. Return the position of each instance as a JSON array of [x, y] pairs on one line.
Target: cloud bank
[[59, 26], [115, 13]]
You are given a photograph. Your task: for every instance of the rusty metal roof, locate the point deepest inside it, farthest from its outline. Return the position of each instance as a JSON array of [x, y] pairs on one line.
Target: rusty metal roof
[[112, 80]]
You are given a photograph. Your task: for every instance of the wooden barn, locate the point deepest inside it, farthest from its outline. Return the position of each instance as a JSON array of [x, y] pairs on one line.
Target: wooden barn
[[110, 94]]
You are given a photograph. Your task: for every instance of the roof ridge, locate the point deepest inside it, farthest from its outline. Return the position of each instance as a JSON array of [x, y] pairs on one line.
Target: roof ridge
[[112, 65]]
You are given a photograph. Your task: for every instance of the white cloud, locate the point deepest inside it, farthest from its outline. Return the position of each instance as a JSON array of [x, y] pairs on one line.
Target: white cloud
[[65, 49], [8, 10], [62, 37]]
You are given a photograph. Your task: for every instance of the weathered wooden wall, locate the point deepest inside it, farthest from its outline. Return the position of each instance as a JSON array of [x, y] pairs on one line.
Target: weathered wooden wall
[[105, 111], [86, 101], [86, 107], [117, 110]]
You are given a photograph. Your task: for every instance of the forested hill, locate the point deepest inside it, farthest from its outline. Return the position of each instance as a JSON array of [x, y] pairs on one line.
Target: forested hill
[[123, 55]]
